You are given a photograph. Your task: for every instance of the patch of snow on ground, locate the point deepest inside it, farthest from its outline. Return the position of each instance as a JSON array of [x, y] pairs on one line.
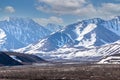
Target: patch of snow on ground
[[104, 61], [14, 57]]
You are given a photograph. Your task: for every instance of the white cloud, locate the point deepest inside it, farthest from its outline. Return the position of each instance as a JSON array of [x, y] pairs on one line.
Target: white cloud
[[60, 6], [80, 8], [44, 21], [9, 9], [109, 9]]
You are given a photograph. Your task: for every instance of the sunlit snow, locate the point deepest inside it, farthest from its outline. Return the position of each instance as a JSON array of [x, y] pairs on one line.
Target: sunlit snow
[[2, 37], [86, 30], [111, 59]]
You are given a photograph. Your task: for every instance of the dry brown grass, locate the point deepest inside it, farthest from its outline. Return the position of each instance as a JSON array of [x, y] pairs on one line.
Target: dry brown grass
[[62, 72]]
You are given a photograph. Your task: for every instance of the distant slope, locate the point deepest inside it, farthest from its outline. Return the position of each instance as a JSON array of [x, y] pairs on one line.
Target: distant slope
[[53, 27], [112, 54], [111, 59], [25, 58], [7, 60], [12, 58]]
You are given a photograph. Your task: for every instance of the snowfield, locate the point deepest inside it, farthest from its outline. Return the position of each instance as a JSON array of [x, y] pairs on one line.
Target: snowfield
[[2, 37]]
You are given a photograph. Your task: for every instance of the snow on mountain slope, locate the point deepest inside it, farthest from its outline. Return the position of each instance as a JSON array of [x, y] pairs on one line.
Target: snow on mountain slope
[[88, 40], [20, 32], [51, 43], [85, 34], [30, 47], [111, 59], [80, 54], [88, 29], [2, 37]]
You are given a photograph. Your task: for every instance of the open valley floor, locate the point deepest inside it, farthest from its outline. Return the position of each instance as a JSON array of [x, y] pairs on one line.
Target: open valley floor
[[61, 72]]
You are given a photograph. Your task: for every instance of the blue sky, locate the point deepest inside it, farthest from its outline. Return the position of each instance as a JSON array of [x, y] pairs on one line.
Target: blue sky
[[59, 11]]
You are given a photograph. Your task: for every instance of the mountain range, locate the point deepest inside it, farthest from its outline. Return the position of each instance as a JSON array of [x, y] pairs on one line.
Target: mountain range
[[86, 40], [87, 34], [19, 32]]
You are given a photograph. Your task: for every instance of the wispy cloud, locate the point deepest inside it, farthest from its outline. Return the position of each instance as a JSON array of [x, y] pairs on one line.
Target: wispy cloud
[[9, 9], [60, 6], [109, 9], [81, 8], [53, 19]]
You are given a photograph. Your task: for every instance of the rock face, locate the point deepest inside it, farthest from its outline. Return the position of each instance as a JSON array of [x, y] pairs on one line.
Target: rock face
[[19, 32]]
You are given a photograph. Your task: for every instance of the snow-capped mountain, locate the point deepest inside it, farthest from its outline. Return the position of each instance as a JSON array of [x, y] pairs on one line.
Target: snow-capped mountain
[[19, 32], [98, 54], [110, 60], [85, 34], [88, 40]]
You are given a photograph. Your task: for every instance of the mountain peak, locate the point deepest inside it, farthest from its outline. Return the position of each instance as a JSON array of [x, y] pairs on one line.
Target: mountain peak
[[16, 19], [53, 27], [94, 20], [50, 24], [6, 19]]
